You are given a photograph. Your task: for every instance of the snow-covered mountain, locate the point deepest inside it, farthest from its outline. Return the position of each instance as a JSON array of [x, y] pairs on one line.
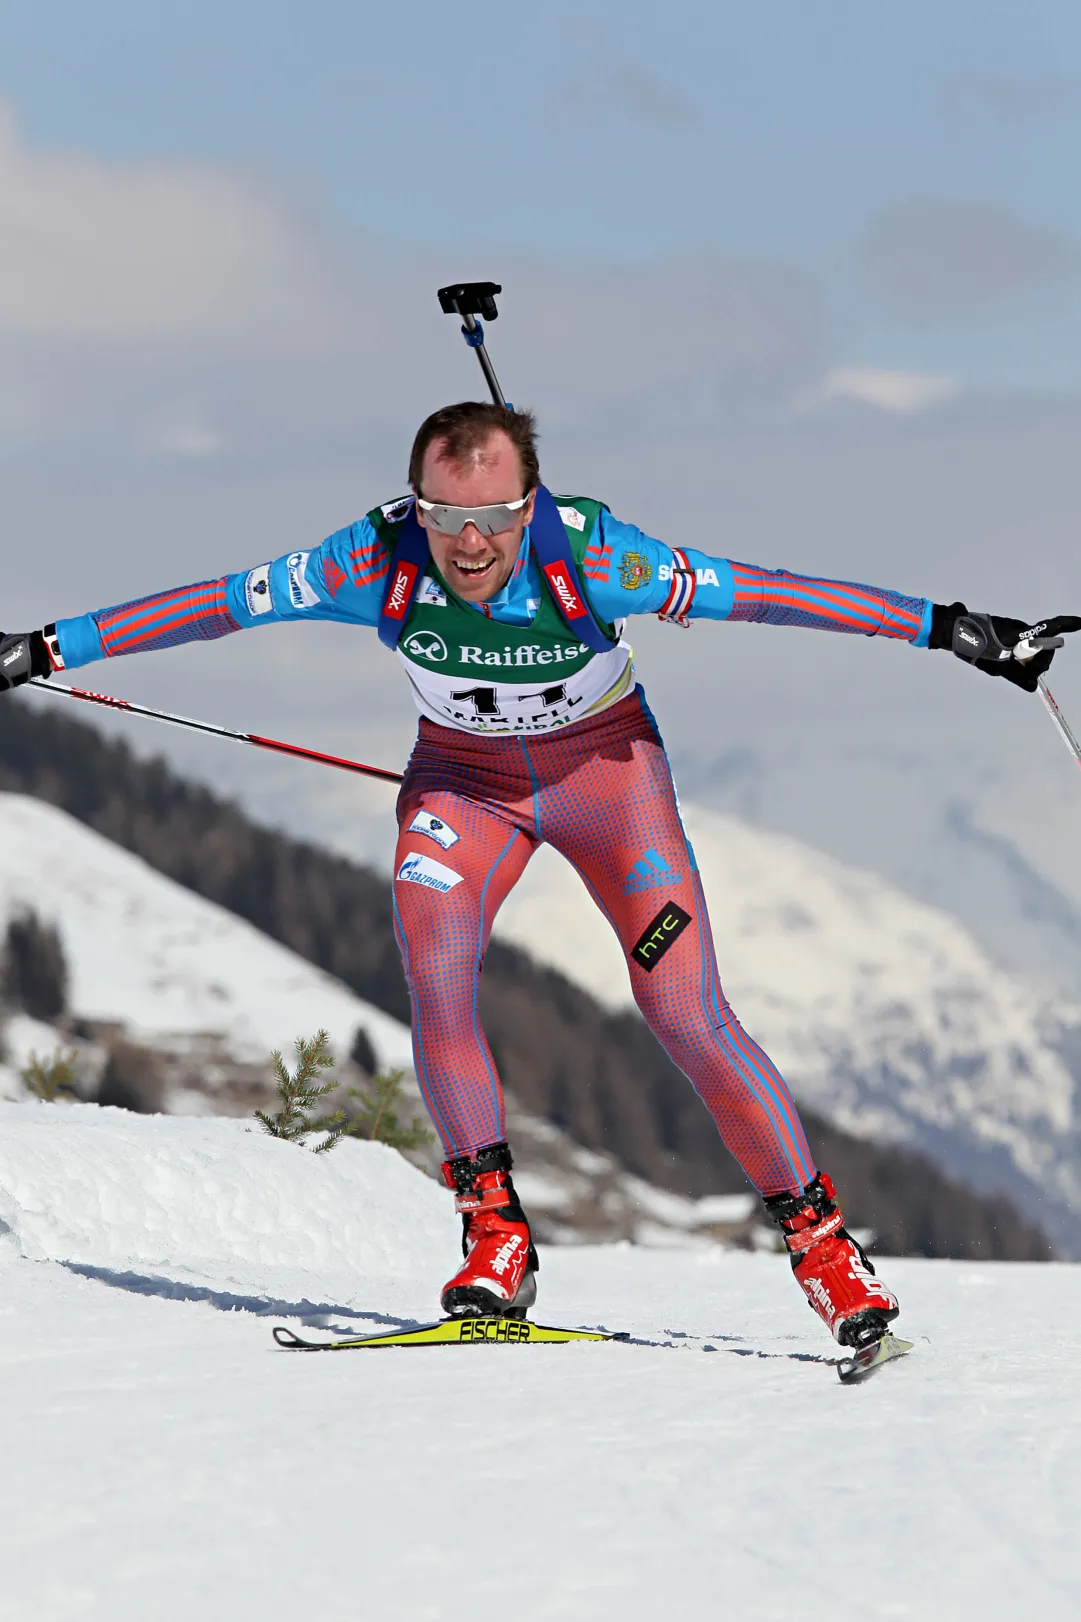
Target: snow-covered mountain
[[167, 963], [885, 1015]]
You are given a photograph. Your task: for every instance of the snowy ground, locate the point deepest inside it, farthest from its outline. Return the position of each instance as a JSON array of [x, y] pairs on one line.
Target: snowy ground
[[163, 1460]]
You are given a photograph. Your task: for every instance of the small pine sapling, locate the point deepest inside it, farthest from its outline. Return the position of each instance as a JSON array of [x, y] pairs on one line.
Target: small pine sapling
[[378, 1115], [50, 1079], [300, 1092]]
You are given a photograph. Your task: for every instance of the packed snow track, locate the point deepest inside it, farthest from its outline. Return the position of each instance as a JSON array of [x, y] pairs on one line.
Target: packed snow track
[[162, 1459]]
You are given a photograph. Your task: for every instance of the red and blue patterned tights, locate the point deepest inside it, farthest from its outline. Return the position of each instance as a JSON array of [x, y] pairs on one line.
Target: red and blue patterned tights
[[601, 793]]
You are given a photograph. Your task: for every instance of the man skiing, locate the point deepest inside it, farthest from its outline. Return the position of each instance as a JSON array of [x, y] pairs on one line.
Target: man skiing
[[505, 606]]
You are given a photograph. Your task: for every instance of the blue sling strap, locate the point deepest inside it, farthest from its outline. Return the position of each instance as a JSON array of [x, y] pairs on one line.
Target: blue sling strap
[[547, 537]]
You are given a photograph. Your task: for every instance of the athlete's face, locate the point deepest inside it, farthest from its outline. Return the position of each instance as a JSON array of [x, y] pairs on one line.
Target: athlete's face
[[475, 566]]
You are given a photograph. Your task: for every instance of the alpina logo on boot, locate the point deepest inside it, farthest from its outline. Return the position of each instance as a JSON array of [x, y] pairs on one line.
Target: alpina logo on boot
[[505, 1254], [816, 1288], [873, 1285]]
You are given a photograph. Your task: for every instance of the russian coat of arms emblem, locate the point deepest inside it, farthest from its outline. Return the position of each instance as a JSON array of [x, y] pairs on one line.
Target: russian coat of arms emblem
[[635, 570]]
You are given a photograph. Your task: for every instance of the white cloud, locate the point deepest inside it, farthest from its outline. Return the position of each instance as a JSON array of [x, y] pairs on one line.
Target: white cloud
[[900, 393], [179, 427], [155, 251], [181, 306], [931, 259]]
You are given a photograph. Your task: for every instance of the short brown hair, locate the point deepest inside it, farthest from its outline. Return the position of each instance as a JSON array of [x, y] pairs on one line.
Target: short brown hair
[[466, 428]]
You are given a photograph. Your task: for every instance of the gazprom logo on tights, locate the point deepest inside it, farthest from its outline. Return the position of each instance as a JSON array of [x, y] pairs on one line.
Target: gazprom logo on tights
[[428, 872], [659, 934]]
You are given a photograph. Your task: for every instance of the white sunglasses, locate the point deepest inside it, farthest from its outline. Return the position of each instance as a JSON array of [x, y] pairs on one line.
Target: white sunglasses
[[488, 520]]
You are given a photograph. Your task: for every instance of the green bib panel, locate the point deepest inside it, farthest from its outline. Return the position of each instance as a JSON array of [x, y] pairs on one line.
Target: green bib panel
[[443, 633], [476, 674]]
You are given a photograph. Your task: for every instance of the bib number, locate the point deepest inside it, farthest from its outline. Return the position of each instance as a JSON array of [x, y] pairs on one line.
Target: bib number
[[486, 706]]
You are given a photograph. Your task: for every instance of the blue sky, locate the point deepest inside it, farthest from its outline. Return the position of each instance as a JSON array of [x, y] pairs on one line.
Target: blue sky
[[615, 133]]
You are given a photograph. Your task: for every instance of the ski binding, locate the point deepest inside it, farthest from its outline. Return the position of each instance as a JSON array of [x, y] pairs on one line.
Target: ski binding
[[449, 1332], [871, 1357]]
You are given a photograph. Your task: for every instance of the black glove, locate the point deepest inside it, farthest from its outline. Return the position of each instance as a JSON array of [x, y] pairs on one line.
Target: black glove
[[1016, 649], [22, 656]]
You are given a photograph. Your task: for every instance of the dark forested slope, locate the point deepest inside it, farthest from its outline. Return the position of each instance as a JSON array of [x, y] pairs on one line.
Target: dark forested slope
[[599, 1075]]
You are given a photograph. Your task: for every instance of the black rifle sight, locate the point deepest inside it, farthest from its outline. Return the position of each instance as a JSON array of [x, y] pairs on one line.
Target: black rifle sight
[[470, 298]]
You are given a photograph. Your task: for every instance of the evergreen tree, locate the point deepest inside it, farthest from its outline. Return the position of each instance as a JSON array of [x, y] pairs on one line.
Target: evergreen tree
[[378, 1115], [362, 1052], [50, 1079], [35, 972], [301, 1091]]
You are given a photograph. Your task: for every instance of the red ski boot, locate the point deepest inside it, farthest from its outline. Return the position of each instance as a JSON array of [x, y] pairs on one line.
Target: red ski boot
[[498, 1276], [832, 1269]]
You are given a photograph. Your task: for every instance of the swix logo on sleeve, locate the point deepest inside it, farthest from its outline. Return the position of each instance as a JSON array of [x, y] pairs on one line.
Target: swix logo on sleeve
[[401, 591], [659, 934], [573, 606]]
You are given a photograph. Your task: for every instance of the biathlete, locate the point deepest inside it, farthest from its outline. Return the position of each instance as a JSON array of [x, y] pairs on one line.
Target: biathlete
[[505, 606]]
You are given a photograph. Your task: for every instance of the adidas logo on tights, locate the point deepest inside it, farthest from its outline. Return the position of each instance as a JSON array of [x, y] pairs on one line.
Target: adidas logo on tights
[[650, 872]]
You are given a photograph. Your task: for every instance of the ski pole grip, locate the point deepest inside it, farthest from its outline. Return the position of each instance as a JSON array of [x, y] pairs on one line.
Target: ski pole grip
[[1029, 647]]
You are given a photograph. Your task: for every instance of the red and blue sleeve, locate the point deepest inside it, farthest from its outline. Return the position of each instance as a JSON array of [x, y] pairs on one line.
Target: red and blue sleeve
[[629, 572], [343, 579]]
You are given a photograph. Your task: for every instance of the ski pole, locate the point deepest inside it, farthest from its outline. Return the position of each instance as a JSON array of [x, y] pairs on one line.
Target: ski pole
[[1026, 647], [128, 708], [1051, 706], [468, 300]]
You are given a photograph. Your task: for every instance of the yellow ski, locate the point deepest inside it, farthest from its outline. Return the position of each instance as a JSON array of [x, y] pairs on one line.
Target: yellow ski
[[450, 1332]]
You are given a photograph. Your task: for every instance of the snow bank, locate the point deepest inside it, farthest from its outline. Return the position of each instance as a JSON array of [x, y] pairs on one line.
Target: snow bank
[[108, 1189], [144, 950]]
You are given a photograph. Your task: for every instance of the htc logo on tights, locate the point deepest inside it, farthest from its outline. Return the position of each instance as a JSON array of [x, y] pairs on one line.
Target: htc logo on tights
[[659, 934]]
